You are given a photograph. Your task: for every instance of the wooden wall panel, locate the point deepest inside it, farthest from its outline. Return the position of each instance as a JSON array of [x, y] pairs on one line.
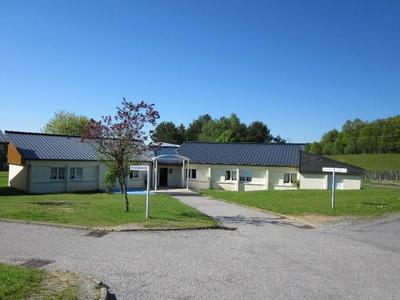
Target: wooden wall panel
[[14, 157]]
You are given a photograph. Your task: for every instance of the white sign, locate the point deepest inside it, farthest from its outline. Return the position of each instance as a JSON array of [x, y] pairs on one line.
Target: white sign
[[144, 168], [336, 170], [139, 168]]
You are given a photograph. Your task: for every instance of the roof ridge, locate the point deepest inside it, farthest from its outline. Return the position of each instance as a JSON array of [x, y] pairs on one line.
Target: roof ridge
[[39, 133]]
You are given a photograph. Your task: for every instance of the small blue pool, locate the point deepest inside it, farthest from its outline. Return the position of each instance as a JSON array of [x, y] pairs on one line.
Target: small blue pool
[[133, 192]]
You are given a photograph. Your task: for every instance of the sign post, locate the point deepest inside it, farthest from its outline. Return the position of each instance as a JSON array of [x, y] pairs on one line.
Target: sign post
[[333, 171], [147, 169]]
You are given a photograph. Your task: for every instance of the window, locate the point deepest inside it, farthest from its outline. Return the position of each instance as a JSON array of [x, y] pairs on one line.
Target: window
[[133, 174], [57, 173], [290, 178], [79, 173], [245, 178], [53, 173], [230, 175], [170, 171], [61, 173], [192, 173], [75, 173]]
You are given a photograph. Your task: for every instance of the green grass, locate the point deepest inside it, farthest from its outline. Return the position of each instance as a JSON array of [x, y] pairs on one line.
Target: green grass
[[98, 209], [368, 202], [18, 282], [3, 179], [371, 162]]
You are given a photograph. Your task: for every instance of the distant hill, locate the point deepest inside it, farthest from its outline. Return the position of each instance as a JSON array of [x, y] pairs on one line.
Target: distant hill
[[370, 162]]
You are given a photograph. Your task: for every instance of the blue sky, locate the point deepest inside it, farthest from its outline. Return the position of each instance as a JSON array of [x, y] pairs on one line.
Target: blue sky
[[303, 67]]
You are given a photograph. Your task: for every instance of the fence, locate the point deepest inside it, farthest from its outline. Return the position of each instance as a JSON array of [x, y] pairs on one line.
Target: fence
[[385, 177]]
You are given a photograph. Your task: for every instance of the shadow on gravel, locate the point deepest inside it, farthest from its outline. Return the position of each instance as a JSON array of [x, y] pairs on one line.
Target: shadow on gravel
[[279, 221]]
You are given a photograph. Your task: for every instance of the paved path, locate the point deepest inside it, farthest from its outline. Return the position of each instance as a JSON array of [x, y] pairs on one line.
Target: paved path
[[265, 258], [232, 215]]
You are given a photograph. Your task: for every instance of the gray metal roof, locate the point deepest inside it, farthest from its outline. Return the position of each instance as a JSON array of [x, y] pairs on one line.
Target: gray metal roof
[[40, 146], [168, 150], [313, 164], [242, 153], [3, 138]]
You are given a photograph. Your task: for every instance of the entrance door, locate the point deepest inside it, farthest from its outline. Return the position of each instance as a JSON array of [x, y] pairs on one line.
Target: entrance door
[[163, 177]]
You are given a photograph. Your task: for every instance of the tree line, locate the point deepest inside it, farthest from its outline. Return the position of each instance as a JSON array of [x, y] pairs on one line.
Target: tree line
[[357, 136], [208, 129], [204, 129]]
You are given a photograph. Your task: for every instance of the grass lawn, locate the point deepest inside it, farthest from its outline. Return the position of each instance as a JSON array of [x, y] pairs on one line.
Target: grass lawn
[[368, 202], [18, 282], [99, 209], [371, 162], [3, 178]]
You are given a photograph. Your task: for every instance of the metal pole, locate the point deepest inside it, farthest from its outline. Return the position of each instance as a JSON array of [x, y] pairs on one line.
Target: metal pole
[[183, 174], [187, 172], [155, 176], [148, 193], [333, 189]]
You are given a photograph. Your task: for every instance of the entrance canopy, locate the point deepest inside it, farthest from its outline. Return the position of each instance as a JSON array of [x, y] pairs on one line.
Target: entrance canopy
[[172, 158]]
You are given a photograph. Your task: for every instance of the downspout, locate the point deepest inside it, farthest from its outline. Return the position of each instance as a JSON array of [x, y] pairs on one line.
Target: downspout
[[28, 179]]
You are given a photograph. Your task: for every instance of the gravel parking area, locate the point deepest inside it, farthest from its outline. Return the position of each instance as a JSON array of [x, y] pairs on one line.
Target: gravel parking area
[[266, 257]]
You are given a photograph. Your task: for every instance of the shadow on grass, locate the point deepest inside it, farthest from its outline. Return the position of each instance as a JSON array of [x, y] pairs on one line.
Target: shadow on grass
[[7, 191]]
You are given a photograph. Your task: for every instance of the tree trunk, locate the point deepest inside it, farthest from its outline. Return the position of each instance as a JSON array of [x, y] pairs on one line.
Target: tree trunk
[[126, 199], [121, 184]]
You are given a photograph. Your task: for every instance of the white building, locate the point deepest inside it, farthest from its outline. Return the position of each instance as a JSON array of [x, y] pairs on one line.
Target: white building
[[44, 163]]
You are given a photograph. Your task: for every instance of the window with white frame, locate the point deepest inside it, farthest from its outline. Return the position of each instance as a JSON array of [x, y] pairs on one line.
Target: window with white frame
[[75, 173], [192, 173], [290, 178], [53, 174], [245, 176], [230, 175], [57, 173]]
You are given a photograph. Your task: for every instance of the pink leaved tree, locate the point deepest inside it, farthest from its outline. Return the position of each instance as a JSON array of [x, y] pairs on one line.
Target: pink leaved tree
[[121, 139]]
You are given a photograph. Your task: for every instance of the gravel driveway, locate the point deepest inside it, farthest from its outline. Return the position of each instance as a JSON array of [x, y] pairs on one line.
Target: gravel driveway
[[266, 257]]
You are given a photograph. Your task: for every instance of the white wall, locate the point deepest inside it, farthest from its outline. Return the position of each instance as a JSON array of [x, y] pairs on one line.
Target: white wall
[[18, 177], [351, 182], [313, 181], [174, 176], [260, 179], [40, 181], [324, 181]]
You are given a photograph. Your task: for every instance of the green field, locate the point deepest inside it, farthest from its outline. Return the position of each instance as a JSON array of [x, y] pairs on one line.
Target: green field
[[371, 162], [99, 209], [18, 282], [367, 202], [3, 179]]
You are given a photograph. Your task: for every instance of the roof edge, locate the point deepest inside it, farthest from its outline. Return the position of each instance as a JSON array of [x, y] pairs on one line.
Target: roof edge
[[39, 133], [251, 143]]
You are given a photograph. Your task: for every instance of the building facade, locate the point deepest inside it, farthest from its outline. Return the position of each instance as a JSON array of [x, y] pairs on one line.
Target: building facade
[[44, 163]]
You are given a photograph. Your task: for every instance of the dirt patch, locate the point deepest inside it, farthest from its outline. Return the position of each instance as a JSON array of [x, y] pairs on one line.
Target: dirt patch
[[53, 203], [122, 227], [317, 220], [59, 284]]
